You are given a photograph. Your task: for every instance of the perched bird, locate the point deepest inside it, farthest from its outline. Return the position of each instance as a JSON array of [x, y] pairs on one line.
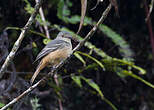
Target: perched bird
[[54, 52]]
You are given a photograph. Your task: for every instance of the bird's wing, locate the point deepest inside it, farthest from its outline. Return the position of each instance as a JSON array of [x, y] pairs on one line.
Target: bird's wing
[[50, 47]]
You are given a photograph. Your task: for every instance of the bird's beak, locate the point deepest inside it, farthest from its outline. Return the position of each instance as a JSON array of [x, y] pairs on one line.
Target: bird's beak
[[69, 37], [74, 41]]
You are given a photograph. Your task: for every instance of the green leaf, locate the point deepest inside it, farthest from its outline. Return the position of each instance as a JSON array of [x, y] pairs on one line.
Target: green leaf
[[91, 83], [35, 103], [53, 85], [30, 10], [119, 72], [28, 7], [77, 80], [87, 44], [2, 105], [34, 44], [142, 71], [32, 31], [37, 33], [139, 78], [46, 41], [109, 60], [125, 62], [60, 9], [124, 47], [63, 12], [94, 59], [91, 66], [39, 19], [110, 103], [74, 19], [69, 4], [103, 54], [80, 58]]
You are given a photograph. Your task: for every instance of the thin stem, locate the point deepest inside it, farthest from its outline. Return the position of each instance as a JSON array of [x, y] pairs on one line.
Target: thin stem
[[59, 100], [43, 19], [52, 73], [19, 40]]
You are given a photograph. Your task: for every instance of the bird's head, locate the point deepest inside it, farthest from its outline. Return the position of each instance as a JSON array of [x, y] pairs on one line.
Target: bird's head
[[64, 34], [67, 36]]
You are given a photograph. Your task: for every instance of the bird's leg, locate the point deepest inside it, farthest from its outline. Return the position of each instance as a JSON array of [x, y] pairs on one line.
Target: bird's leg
[[53, 68]]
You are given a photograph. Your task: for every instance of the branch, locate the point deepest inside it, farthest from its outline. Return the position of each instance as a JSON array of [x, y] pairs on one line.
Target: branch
[[43, 19], [19, 40], [104, 15], [149, 24], [23, 94], [59, 100], [150, 10], [92, 31]]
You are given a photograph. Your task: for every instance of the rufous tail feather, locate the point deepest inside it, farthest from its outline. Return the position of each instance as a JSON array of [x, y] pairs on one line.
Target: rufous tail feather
[[39, 68]]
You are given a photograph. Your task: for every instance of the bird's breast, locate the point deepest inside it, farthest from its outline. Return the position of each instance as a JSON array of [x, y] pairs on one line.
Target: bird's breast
[[54, 58]]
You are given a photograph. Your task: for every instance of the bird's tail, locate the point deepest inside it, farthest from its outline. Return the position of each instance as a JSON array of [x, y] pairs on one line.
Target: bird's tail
[[39, 68]]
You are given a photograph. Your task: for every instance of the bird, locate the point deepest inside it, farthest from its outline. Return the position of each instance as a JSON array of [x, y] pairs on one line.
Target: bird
[[54, 52]]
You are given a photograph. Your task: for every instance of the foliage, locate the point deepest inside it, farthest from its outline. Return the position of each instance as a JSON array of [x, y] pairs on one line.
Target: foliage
[[35, 104], [124, 47], [91, 83], [92, 58], [95, 59], [1, 105], [30, 10], [109, 63]]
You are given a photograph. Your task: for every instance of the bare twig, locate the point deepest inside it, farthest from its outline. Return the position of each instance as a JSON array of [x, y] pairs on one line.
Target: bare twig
[[150, 10], [149, 24], [96, 4], [19, 40], [104, 15], [59, 100], [92, 31], [83, 13], [43, 19], [23, 94]]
